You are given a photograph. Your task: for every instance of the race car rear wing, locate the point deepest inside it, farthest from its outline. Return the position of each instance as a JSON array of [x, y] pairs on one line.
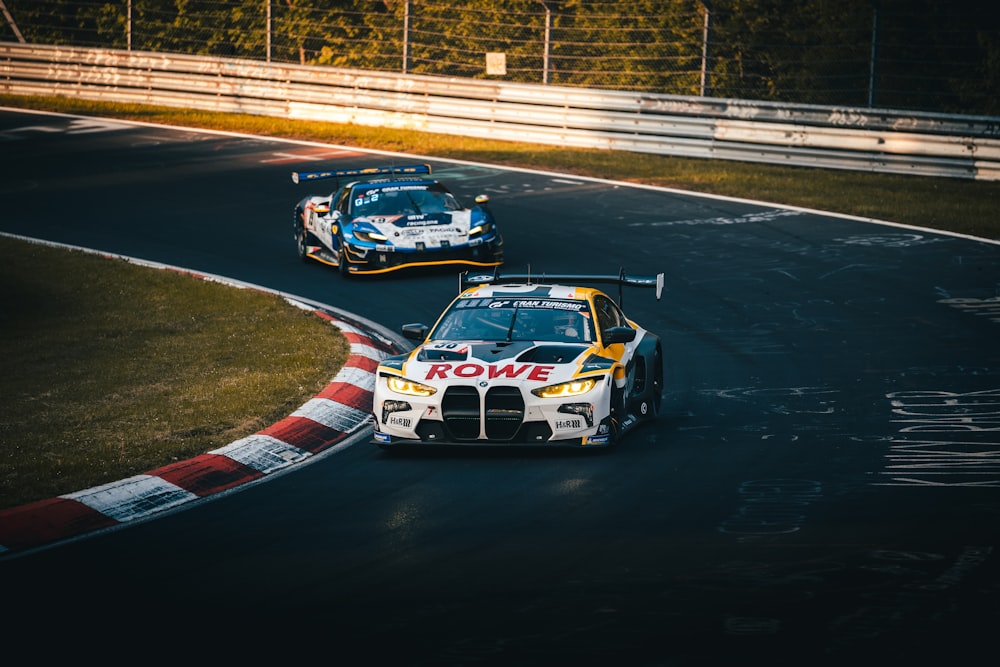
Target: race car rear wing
[[622, 280], [299, 176]]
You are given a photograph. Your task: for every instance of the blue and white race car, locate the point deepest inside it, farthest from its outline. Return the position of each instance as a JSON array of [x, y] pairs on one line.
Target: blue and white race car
[[382, 219], [516, 361]]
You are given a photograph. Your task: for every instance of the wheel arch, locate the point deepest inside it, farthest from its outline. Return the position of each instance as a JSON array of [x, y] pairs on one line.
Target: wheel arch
[[649, 372]]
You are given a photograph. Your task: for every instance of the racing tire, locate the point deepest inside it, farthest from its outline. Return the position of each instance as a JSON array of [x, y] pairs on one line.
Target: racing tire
[[618, 412], [656, 385], [301, 238], [342, 264]]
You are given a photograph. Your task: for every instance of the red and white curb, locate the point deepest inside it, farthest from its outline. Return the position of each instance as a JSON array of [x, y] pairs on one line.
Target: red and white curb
[[322, 423]]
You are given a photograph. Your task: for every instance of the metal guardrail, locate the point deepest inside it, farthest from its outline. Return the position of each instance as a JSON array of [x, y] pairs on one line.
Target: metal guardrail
[[858, 139]]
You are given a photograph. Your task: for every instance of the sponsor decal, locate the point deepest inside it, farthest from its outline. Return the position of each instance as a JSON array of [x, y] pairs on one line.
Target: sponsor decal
[[396, 420], [473, 300], [595, 440], [382, 437], [401, 188], [534, 372], [543, 304], [568, 424], [433, 232]]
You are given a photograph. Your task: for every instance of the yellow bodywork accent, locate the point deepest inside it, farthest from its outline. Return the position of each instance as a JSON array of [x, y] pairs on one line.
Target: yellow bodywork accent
[[410, 265]]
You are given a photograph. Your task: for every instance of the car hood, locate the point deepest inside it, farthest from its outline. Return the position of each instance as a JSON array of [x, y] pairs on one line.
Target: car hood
[[537, 363], [429, 229]]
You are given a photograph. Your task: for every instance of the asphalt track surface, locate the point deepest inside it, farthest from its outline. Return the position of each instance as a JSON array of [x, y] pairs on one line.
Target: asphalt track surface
[[822, 488]]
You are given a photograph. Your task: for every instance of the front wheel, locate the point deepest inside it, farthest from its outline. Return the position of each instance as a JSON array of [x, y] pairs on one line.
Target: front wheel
[[301, 237], [618, 414], [342, 263]]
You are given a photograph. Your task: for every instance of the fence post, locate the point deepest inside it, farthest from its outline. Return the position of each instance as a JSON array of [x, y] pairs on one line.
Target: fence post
[[871, 63], [705, 46], [548, 43], [406, 35]]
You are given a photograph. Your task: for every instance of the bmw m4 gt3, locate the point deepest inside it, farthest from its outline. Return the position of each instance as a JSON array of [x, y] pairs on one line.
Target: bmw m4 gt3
[[517, 361]]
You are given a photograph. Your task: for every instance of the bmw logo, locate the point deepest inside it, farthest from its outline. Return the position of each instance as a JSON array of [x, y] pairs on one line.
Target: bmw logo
[[484, 383]]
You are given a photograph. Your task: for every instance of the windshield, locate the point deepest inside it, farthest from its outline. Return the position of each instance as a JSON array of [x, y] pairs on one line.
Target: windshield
[[516, 320], [403, 199]]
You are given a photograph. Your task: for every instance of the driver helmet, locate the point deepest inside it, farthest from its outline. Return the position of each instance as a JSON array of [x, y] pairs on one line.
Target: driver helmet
[[568, 326]]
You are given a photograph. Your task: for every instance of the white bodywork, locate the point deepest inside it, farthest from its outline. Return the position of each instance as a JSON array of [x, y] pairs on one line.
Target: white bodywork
[[479, 389]]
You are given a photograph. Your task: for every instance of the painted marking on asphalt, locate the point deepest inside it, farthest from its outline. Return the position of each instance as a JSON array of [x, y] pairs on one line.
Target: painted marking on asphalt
[[309, 156], [944, 439]]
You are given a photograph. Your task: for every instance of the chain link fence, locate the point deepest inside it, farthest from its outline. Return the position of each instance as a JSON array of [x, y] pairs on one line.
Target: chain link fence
[[924, 55]]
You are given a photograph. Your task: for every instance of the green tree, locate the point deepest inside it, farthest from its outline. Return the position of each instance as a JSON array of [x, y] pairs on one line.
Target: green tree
[[938, 55]]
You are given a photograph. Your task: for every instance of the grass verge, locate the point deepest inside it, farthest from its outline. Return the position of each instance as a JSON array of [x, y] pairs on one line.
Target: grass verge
[[111, 369]]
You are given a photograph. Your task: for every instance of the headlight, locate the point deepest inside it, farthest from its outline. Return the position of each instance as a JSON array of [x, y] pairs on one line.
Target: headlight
[[585, 410], [408, 387], [373, 237], [571, 388], [481, 229]]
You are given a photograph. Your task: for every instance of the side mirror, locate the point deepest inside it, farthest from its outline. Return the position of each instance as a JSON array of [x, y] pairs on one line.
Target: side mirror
[[417, 331], [614, 335]]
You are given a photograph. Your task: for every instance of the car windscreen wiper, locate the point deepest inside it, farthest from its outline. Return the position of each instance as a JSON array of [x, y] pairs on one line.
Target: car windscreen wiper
[[416, 206]]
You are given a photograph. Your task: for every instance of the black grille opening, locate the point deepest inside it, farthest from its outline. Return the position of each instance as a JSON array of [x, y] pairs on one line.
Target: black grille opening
[[460, 409], [501, 413], [504, 412]]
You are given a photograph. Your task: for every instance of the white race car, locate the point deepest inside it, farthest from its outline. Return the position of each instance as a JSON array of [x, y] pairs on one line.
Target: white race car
[[382, 219], [517, 361]]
